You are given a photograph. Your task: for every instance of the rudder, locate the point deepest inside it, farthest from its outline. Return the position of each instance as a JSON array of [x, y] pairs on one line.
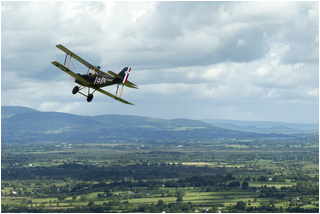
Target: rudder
[[121, 73]]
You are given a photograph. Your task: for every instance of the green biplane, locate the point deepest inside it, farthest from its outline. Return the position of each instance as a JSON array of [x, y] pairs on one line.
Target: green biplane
[[95, 78]]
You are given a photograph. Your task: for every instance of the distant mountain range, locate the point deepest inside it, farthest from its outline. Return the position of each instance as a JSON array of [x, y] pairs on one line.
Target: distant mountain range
[[265, 126], [23, 125]]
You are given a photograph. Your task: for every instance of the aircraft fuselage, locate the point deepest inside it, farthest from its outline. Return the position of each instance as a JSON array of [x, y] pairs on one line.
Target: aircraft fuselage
[[99, 80]]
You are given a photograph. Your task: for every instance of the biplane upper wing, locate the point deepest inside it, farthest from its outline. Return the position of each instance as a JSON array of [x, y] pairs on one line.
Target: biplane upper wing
[[75, 56], [114, 74], [71, 73], [113, 96]]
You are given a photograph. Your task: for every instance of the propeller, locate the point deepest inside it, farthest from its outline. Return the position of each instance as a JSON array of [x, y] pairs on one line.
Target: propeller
[[71, 80]]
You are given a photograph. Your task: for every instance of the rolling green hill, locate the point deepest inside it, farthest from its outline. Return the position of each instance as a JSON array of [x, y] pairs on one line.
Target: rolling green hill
[[23, 125]]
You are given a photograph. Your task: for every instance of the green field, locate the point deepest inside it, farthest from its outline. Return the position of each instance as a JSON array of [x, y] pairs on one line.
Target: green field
[[182, 176]]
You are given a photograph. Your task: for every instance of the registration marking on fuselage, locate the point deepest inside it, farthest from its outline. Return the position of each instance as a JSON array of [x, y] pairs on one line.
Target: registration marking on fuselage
[[102, 80]]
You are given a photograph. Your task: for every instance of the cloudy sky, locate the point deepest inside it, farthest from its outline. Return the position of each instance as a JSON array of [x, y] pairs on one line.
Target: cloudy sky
[[197, 60]]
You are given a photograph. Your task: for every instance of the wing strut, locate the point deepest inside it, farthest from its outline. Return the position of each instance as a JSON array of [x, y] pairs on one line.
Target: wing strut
[[121, 90], [117, 89], [69, 61], [65, 60], [75, 56], [125, 79]]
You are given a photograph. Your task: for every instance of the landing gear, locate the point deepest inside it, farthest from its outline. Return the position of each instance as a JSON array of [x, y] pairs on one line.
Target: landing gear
[[78, 89], [90, 97], [75, 90]]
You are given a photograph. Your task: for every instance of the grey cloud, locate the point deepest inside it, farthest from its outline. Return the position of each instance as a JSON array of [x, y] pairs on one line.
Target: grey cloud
[[237, 60]]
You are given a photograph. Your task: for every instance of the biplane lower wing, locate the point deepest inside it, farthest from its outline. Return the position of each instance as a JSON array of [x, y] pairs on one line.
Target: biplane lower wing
[[113, 96], [71, 73]]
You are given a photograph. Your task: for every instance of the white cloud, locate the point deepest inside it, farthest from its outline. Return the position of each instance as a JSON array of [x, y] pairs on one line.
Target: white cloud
[[240, 42], [241, 60]]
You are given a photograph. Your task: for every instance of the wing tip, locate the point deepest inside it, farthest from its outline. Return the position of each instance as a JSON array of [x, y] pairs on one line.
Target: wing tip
[[123, 101]]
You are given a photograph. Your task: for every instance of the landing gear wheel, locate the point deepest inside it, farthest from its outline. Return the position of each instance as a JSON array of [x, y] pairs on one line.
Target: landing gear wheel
[[90, 97], [75, 90]]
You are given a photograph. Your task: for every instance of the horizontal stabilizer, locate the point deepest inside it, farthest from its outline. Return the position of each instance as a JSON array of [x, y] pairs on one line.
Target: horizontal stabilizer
[[128, 83], [131, 85]]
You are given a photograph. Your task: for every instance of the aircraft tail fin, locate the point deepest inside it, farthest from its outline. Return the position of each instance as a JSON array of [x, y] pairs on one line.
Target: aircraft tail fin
[[124, 74], [121, 73]]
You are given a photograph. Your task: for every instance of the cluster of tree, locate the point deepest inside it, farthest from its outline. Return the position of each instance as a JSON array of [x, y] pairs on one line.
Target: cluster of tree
[[74, 188], [266, 207], [161, 206], [114, 172], [208, 183], [108, 207], [162, 151], [178, 207], [79, 189]]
